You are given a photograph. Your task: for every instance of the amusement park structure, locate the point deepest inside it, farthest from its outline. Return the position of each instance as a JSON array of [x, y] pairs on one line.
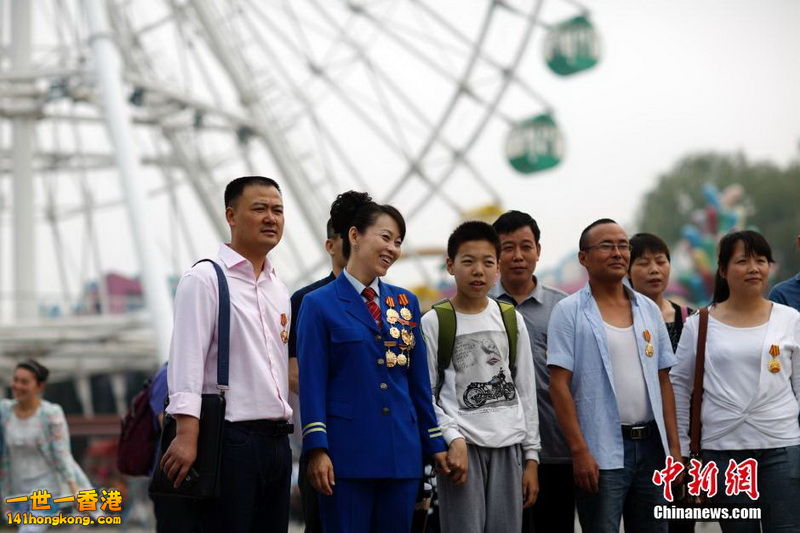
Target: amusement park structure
[[122, 120]]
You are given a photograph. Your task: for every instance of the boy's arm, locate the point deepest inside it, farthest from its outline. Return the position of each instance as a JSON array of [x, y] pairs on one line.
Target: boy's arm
[[525, 383], [430, 333]]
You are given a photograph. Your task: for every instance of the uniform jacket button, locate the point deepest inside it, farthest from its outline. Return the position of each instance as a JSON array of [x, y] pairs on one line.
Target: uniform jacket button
[[380, 361], [384, 386], [386, 410]]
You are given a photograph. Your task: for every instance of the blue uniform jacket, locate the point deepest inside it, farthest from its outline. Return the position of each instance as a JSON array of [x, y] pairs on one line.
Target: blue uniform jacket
[[375, 421]]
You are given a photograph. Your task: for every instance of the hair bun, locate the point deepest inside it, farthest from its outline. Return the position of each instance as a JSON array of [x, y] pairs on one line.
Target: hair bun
[[39, 370], [344, 209]]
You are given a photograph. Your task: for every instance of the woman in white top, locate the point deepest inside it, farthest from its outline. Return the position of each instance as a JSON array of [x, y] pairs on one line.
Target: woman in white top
[[36, 453], [750, 389]]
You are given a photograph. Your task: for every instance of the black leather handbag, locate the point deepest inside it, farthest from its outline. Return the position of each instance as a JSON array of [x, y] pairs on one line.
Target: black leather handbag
[[203, 479]]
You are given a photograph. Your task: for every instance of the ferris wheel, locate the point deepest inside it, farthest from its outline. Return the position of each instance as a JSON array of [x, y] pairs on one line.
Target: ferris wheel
[[121, 121]]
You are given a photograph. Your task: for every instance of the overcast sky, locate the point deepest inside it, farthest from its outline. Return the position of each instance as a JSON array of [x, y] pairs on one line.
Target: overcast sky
[[676, 77]]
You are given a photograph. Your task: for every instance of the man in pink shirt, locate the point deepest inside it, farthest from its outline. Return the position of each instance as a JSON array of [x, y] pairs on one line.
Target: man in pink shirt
[[256, 459]]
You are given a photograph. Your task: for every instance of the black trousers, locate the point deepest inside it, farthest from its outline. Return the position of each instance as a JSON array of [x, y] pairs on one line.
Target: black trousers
[[309, 499], [554, 509]]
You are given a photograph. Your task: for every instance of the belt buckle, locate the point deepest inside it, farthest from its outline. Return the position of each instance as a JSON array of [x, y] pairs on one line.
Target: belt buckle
[[638, 432]]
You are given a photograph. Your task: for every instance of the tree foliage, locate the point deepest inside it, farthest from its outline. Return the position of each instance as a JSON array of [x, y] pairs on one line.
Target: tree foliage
[[772, 199]]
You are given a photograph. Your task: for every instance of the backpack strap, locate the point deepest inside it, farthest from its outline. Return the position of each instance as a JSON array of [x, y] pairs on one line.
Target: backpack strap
[[446, 316], [509, 314]]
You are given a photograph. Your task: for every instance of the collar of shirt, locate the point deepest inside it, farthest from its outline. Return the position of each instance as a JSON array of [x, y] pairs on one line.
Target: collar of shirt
[[358, 286], [586, 296], [536, 294], [239, 267]]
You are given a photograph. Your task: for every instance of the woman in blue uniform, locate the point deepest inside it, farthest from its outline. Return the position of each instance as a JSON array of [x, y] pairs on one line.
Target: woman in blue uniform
[[365, 395]]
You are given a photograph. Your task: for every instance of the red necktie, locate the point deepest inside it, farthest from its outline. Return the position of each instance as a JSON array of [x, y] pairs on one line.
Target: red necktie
[[372, 305]]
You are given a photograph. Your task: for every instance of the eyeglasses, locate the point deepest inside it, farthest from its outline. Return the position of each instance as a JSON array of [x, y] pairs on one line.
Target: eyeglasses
[[609, 246]]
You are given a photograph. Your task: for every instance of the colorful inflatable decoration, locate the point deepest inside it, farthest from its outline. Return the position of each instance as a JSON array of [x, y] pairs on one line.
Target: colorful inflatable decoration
[[535, 144], [572, 46], [695, 257]]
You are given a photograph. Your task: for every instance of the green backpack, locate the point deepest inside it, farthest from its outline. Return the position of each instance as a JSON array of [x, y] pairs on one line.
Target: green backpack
[[447, 337]]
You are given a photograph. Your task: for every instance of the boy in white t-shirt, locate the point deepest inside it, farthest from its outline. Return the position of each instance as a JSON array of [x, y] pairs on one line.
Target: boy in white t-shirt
[[486, 408]]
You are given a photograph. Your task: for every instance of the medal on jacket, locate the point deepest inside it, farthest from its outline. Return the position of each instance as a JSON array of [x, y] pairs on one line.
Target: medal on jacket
[[391, 314], [402, 299], [408, 338], [391, 358], [402, 359], [284, 332], [648, 348], [394, 332], [774, 364]]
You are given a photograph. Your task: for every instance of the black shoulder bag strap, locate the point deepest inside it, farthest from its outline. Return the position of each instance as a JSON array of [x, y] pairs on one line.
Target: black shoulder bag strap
[[223, 327]]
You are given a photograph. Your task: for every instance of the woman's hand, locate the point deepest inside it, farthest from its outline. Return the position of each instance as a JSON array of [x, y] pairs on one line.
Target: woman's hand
[[320, 471]]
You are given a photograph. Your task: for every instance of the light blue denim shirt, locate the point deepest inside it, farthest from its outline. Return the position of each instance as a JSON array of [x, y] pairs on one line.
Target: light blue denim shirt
[[576, 341]]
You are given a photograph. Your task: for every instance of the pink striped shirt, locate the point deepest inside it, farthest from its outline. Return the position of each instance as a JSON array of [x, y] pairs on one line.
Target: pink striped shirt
[[258, 377]]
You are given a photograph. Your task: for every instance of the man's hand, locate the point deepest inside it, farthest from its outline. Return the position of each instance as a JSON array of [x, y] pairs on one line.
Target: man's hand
[[182, 451], [320, 471], [585, 471], [530, 483], [458, 461]]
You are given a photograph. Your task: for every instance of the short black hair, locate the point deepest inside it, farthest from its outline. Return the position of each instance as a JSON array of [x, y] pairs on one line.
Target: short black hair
[[647, 242], [356, 209], [235, 188], [511, 221], [39, 371], [474, 230], [582, 244], [330, 230], [755, 245]]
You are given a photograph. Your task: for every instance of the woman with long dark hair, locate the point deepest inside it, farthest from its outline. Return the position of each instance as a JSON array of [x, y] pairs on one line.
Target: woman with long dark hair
[[749, 410], [36, 451], [365, 395]]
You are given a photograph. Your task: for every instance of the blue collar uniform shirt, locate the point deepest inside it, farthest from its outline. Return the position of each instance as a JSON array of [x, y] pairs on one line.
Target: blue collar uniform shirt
[[577, 342]]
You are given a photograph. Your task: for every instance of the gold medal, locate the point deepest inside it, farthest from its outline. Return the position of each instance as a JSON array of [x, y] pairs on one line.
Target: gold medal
[[284, 333], [646, 335], [392, 316], [391, 358], [405, 313], [394, 332], [402, 359], [408, 337], [774, 365], [649, 350]]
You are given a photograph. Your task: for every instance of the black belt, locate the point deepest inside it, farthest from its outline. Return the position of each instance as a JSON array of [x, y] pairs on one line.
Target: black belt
[[273, 428], [639, 431]]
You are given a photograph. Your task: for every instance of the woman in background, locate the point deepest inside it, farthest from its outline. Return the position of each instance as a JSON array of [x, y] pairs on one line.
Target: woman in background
[[36, 451], [649, 274]]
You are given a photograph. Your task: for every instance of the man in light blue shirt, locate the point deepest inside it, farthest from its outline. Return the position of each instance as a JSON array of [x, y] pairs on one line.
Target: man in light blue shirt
[[609, 356]]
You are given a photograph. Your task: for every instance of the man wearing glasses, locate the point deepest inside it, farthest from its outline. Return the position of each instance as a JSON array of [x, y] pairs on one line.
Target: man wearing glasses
[[609, 356]]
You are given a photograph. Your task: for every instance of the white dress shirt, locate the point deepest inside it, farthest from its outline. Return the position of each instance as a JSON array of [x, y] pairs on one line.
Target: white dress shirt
[[258, 375], [745, 406]]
